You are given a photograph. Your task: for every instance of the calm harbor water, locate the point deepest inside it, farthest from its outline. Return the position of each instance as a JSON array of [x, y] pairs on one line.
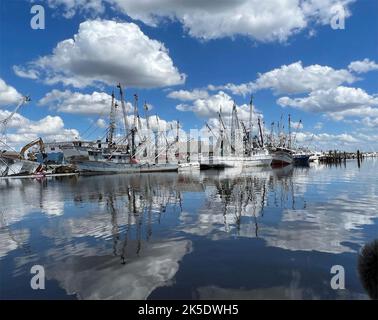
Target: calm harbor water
[[261, 234]]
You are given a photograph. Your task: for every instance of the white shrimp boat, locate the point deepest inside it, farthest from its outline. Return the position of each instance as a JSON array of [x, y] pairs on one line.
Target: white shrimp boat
[[101, 161], [259, 158]]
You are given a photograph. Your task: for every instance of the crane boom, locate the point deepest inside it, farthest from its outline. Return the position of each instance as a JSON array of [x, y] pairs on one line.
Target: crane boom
[[4, 122], [38, 141]]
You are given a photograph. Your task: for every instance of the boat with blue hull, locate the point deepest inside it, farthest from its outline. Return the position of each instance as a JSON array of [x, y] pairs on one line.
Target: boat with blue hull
[[301, 159]]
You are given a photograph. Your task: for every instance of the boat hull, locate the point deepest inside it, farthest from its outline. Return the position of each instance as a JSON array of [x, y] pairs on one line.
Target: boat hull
[[301, 160], [281, 158], [256, 160], [111, 167], [14, 168], [29, 167]]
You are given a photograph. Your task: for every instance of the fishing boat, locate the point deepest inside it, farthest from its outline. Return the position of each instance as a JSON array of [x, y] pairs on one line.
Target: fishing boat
[[301, 159], [281, 157], [281, 148], [113, 157], [103, 161], [315, 156], [259, 159], [228, 155]]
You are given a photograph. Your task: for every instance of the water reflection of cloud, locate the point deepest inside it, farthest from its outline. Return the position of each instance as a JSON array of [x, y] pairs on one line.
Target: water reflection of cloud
[[325, 227], [291, 292], [12, 239], [333, 226], [104, 277]]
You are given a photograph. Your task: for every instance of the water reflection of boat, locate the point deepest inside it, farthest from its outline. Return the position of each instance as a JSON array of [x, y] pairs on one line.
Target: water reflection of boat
[[125, 236], [138, 264]]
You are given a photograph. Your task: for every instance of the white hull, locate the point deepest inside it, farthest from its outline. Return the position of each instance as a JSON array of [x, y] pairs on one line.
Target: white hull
[[29, 166], [314, 158], [189, 166], [256, 160], [11, 167], [14, 168], [111, 167]]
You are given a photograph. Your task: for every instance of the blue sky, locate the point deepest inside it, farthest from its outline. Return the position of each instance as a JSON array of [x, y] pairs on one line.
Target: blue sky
[[287, 55]]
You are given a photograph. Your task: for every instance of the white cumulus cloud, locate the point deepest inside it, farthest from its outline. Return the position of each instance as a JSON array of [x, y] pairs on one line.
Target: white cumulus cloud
[[208, 108], [362, 66], [334, 101], [268, 20], [185, 95], [292, 79], [26, 73], [78, 103], [51, 128], [8, 94], [107, 52]]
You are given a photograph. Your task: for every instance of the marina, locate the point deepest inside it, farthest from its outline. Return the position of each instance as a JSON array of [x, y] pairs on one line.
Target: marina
[[141, 149], [164, 214], [206, 152], [179, 235]]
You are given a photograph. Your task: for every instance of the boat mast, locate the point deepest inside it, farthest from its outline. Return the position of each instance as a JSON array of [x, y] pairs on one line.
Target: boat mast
[[156, 132], [289, 142], [233, 127], [112, 123], [296, 132], [272, 134], [250, 136], [146, 115], [125, 121], [221, 130], [135, 124], [261, 133], [135, 111]]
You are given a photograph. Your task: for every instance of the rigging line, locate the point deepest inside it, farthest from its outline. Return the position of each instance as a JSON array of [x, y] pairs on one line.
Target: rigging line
[[92, 124], [8, 146], [92, 132]]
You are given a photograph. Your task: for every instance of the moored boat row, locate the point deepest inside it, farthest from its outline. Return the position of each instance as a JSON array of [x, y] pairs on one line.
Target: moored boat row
[[235, 143]]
